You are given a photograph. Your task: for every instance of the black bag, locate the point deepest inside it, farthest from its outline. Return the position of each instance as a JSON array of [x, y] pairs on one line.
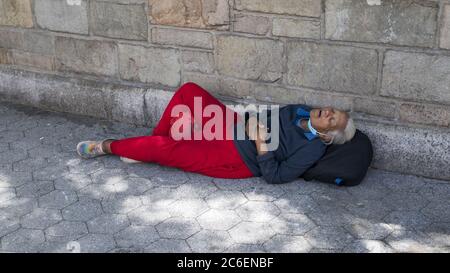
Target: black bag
[[344, 164]]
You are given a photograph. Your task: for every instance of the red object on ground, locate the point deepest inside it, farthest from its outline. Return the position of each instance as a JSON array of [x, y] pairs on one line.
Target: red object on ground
[[215, 158]]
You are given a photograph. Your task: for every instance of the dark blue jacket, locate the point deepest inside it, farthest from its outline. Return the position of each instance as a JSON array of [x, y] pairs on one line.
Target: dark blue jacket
[[298, 150]]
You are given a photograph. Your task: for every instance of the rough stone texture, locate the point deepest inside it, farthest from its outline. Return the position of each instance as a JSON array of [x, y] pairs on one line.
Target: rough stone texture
[[38, 42], [299, 28], [251, 24], [179, 37], [119, 21], [197, 61], [10, 39], [415, 76], [445, 29], [150, 64], [332, 67], [61, 16], [311, 8], [16, 13], [5, 56], [196, 13], [247, 58], [96, 57], [397, 22], [425, 152], [426, 114], [375, 107], [295, 217], [35, 60]]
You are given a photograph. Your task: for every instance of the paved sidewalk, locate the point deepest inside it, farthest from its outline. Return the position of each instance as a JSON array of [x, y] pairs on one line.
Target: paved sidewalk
[[53, 201]]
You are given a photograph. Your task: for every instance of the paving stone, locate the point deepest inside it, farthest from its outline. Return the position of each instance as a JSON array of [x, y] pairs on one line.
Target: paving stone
[[10, 179], [258, 211], [439, 232], [218, 219], [8, 226], [370, 230], [296, 203], [368, 246], [236, 184], [245, 248], [7, 194], [57, 199], [50, 172], [30, 164], [438, 211], [148, 215], [405, 201], [210, 241], [108, 223], [436, 191], [160, 196], [287, 244], [66, 231], [169, 177], [12, 156], [188, 207], [334, 218], [407, 220], [292, 224], [411, 241], [194, 189], [41, 218], [225, 199], [169, 246], [329, 238], [263, 192], [251, 232], [35, 188], [121, 203], [86, 166], [178, 228], [72, 181], [372, 209], [96, 243], [23, 240], [83, 210], [17, 207], [136, 236]]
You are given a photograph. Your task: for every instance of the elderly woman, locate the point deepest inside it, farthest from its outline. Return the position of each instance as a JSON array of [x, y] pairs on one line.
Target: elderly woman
[[303, 136]]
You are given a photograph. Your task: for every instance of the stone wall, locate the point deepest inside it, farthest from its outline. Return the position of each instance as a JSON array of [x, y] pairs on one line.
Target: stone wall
[[386, 61]]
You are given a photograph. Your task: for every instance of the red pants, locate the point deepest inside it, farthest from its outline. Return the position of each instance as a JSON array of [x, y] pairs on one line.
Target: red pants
[[215, 158]]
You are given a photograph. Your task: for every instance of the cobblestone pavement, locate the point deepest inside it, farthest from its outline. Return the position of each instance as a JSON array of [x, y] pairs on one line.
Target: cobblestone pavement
[[53, 201]]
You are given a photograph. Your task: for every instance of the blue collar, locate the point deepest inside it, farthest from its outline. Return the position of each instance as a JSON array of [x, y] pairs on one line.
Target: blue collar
[[302, 114]]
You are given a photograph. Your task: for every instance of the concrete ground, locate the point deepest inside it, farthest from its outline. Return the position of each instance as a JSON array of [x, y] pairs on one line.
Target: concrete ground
[[53, 201]]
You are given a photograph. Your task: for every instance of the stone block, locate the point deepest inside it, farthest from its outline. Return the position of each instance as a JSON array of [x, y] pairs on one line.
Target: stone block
[[297, 28], [310, 8], [119, 21], [375, 107], [197, 61], [405, 22], [35, 60], [16, 13], [251, 23], [445, 28], [425, 114], [149, 64], [62, 16], [416, 76], [86, 56], [195, 13], [332, 67], [182, 37], [38, 42], [246, 58], [5, 56], [10, 39]]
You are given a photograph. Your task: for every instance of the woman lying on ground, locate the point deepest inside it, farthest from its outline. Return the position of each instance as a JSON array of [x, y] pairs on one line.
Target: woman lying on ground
[[303, 136]]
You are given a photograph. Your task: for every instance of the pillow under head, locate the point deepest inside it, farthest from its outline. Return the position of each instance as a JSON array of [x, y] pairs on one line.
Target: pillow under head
[[345, 164]]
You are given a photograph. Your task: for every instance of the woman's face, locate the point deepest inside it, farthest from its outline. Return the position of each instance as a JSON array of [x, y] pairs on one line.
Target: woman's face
[[328, 119]]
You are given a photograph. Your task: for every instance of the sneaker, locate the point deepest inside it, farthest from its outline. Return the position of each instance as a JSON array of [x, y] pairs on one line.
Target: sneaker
[[90, 149], [129, 160]]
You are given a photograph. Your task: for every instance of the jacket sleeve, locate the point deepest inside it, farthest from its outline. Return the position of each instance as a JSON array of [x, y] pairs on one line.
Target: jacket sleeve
[[277, 172]]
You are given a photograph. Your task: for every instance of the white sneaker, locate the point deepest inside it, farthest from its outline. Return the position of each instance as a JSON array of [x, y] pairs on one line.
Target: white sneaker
[[129, 160]]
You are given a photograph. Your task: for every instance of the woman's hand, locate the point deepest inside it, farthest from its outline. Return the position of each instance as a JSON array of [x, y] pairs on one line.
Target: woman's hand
[[256, 130]]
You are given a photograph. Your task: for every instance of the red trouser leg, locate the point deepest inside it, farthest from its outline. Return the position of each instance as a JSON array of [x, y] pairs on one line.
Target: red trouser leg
[[216, 158]]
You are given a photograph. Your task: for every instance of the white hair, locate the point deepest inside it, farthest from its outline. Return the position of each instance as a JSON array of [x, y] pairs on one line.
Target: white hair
[[342, 136]]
